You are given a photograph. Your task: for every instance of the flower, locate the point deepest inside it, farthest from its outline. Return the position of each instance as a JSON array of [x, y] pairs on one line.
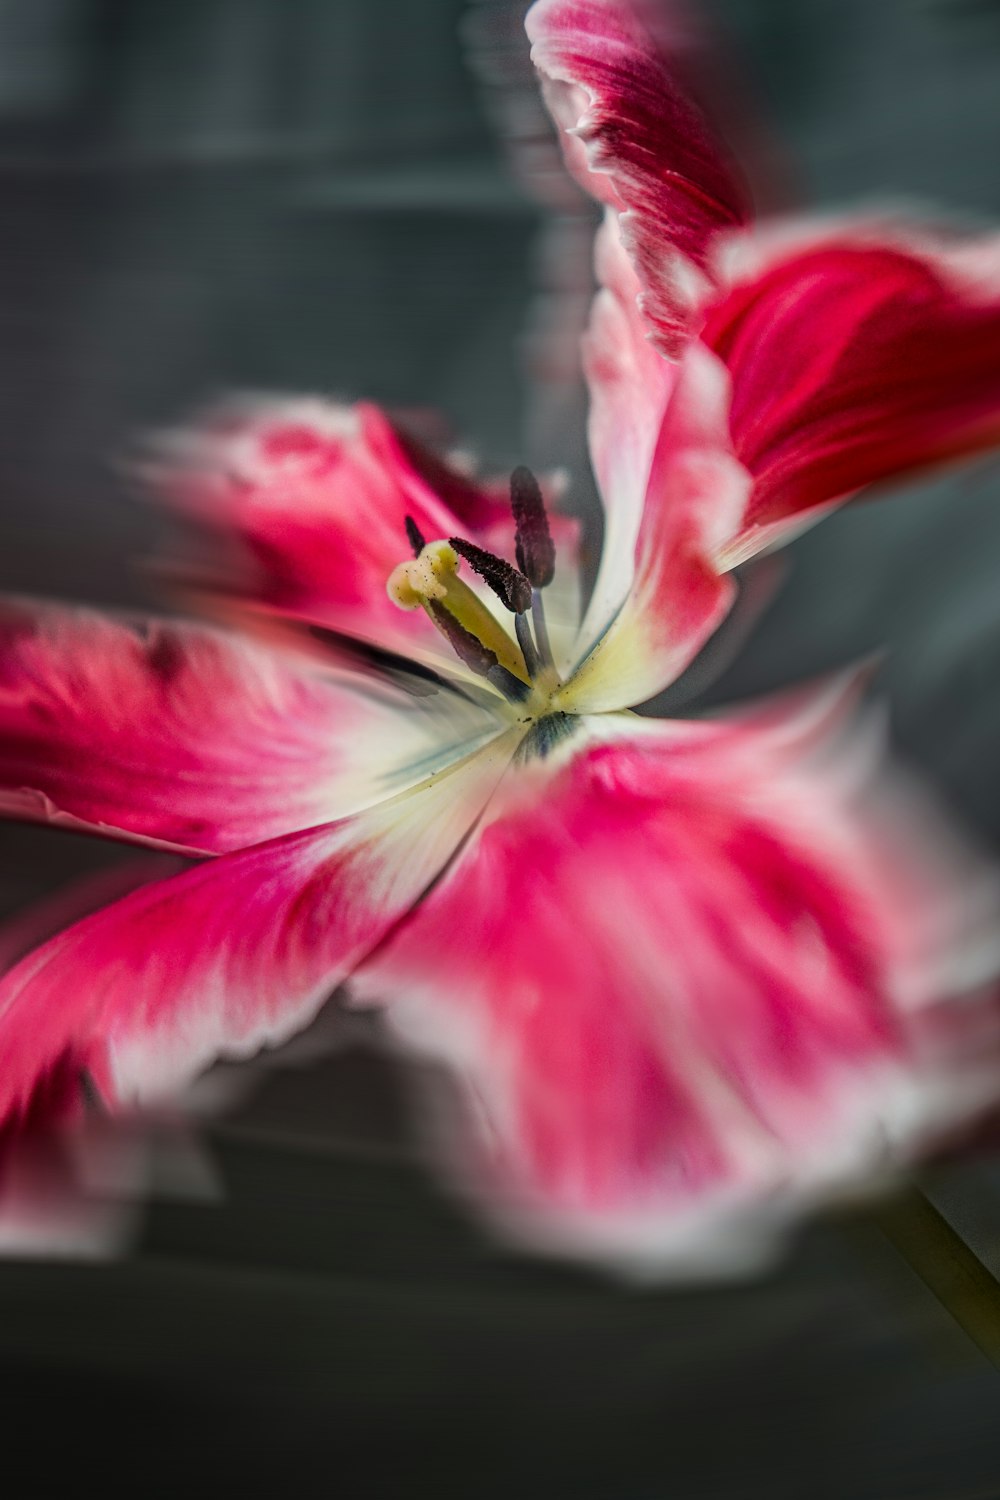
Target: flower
[[689, 977]]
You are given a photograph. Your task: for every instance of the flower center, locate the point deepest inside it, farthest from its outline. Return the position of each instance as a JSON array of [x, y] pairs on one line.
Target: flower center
[[521, 666]]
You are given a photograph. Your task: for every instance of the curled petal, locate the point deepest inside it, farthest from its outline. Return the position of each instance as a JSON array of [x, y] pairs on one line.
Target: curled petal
[[226, 958], [695, 494], [305, 505], [167, 733], [835, 360], [635, 140], [308, 501], [857, 354], [682, 973], [630, 385]]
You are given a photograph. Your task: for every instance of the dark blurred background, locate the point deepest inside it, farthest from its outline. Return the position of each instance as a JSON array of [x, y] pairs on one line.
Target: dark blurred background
[[308, 195]]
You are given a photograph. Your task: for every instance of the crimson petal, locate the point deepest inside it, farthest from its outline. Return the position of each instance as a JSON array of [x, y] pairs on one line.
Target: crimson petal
[[637, 142], [231, 956], [683, 980], [856, 356], [167, 733], [305, 505]]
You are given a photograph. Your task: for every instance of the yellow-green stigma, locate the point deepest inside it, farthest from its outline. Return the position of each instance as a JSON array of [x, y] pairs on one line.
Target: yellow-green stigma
[[522, 668], [430, 581]]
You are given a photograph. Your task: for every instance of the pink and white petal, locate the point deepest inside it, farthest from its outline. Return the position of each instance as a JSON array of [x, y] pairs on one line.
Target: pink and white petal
[[307, 502], [630, 385], [227, 958], [167, 733], [858, 353], [55, 1193], [675, 974], [611, 75], [696, 493]]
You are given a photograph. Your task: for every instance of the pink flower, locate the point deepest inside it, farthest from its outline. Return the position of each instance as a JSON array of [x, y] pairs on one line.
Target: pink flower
[[689, 976]]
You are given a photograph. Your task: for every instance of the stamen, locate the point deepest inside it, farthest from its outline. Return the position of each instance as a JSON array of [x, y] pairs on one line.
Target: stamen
[[526, 642], [468, 647], [536, 554], [541, 630], [414, 536], [513, 689], [432, 579], [511, 587], [411, 584], [477, 657]]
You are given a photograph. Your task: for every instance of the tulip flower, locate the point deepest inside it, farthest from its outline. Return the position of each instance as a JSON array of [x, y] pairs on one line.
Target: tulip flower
[[689, 977]]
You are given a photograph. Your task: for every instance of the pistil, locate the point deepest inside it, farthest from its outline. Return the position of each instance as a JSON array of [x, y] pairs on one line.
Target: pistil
[[432, 579], [525, 672]]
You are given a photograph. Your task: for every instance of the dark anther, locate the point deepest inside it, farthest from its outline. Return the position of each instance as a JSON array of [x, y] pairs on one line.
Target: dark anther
[[536, 555], [415, 536], [477, 657], [511, 587], [467, 647]]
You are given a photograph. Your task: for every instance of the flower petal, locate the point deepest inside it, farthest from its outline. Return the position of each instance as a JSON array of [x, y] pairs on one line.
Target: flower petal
[[50, 1203], [635, 141], [679, 972], [695, 494], [308, 502], [168, 733], [228, 957], [629, 385], [857, 354], [812, 378]]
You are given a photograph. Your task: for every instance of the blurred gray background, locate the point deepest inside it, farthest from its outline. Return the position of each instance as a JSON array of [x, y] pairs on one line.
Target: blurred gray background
[[308, 195]]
